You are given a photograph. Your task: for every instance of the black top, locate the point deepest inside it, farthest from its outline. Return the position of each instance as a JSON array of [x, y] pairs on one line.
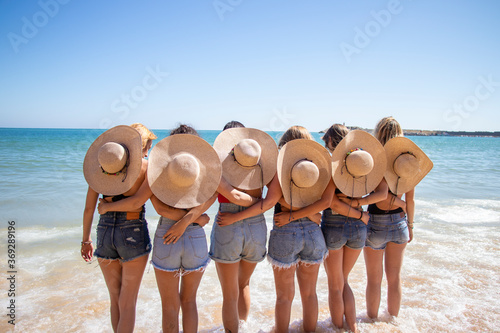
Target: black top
[[373, 209]]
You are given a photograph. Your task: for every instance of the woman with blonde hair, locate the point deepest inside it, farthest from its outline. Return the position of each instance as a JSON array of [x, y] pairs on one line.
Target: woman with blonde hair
[[301, 188], [115, 166], [391, 220], [358, 167]]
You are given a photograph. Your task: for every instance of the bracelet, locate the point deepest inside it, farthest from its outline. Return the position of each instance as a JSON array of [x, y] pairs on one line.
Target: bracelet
[[410, 224], [86, 243], [361, 215]]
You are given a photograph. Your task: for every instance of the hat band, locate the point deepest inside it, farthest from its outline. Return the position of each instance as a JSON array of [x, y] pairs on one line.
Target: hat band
[[123, 170]]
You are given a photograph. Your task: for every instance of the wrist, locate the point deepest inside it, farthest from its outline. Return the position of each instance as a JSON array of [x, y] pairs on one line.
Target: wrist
[[86, 242]]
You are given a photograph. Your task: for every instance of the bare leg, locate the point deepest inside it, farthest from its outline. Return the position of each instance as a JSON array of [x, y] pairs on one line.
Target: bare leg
[[132, 272], [393, 262], [333, 267], [168, 286], [307, 277], [245, 272], [112, 271], [189, 286], [228, 277], [374, 274], [350, 257], [284, 280]]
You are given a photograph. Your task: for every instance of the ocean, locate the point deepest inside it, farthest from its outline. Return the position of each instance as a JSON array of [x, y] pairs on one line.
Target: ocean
[[451, 271]]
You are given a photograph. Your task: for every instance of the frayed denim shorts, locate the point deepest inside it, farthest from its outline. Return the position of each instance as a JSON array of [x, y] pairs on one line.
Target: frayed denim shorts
[[298, 241], [340, 230], [122, 239], [190, 253], [242, 240], [386, 228]]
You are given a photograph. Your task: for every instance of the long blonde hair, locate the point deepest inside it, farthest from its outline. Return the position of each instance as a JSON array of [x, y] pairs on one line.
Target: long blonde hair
[[294, 132], [146, 134], [386, 129]]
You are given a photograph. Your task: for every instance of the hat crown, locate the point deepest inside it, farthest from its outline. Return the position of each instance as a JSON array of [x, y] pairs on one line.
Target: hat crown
[[112, 157], [183, 170], [406, 165], [247, 152], [304, 174], [359, 163]]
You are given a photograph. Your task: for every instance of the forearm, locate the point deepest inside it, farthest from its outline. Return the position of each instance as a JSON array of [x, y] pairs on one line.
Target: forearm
[[88, 214], [194, 213], [317, 206], [344, 209], [234, 195], [380, 194]]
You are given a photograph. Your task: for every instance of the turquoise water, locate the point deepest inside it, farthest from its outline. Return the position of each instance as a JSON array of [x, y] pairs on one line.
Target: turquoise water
[[450, 276]]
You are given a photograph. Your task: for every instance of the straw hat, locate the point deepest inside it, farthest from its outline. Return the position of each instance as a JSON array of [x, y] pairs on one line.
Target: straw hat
[[184, 170], [304, 170], [359, 163], [407, 165], [113, 161], [248, 157]]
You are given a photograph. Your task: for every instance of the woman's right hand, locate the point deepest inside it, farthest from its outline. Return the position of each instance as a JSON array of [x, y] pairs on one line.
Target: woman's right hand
[[87, 251], [226, 218], [202, 220]]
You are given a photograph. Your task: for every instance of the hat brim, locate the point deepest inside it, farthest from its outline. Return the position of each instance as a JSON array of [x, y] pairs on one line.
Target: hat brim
[[204, 186], [394, 148], [246, 178], [294, 151], [114, 184], [345, 182]]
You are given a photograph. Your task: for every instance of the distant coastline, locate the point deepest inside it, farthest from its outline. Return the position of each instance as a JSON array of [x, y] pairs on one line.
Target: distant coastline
[[412, 132]]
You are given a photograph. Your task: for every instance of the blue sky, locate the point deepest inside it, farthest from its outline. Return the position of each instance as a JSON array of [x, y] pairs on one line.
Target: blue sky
[[269, 64]]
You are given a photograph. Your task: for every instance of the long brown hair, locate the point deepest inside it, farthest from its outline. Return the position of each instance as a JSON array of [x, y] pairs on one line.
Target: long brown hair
[[334, 135]]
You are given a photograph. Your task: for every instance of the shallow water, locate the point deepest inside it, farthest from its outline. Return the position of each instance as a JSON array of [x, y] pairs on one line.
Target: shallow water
[[450, 274]]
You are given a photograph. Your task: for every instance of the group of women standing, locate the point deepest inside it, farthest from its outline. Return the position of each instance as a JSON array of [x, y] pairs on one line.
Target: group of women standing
[[318, 196]]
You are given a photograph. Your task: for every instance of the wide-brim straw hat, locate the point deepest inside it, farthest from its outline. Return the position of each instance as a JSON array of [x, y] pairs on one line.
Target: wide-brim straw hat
[[407, 165], [304, 170], [184, 170], [248, 157], [358, 164], [113, 161]]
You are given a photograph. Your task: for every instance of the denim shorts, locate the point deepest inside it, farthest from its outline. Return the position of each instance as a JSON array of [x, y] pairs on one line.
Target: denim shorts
[[386, 228], [190, 253], [242, 240], [340, 230], [122, 239], [298, 241]]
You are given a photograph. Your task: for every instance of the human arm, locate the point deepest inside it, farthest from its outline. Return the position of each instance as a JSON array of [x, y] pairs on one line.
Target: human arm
[[177, 230], [342, 208], [283, 218], [379, 194], [410, 210], [132, 203], [272, 197], [234, 195], [167, 211], [87, 249]]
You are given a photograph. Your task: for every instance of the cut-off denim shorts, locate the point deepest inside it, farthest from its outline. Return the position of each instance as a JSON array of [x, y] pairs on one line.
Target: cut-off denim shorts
[[340, 230], [298, 241], [385, 228], [122, 239], [190, 253], [242, 240]]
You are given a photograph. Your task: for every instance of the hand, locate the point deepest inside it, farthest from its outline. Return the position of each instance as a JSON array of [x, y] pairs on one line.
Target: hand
[[202, 220], [174, 233], [226, 218], [87, 252], [283, 218], [316, 218], [365, 218], [102, 206]]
